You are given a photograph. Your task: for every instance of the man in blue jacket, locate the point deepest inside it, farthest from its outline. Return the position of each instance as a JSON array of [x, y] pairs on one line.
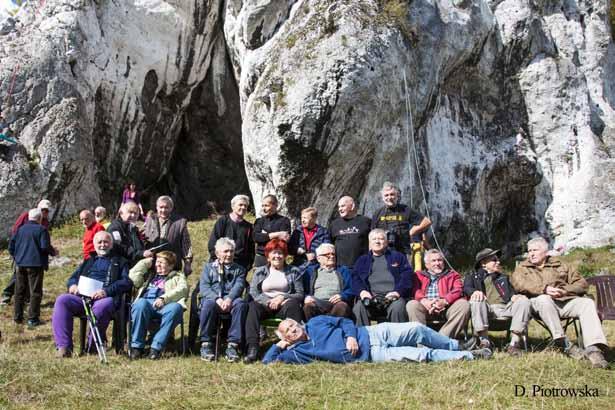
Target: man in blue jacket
[[30, 248], [328, 287], [338, 340], [382, 280], [221, 286]]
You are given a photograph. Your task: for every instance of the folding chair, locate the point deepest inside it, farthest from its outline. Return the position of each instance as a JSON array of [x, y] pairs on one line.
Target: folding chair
[[154, 325], [605, 296], [498, 325], [565, 323]]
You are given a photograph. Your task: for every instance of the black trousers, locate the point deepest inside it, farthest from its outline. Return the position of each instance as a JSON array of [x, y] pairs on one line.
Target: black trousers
[[31, 278], [257, 312]]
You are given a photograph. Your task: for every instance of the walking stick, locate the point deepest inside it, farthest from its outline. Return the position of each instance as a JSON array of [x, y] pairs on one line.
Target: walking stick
[[100, 348]]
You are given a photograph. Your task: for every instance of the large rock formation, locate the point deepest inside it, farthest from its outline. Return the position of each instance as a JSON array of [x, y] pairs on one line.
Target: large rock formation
[[509, 129]]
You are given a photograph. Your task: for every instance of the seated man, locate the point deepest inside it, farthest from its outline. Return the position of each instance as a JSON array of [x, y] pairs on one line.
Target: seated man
[[555, 291], [91, 228], [104, 266], [382, 280], [221, 286], [338, 340], [306, 238], [328, 287], [165, 227], [438, 294], [162, 295], [125, 234], [492, 296]]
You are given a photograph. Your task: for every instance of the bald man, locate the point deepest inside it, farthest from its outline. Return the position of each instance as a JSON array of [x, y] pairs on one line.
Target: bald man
[[88, 220], [349, 232]]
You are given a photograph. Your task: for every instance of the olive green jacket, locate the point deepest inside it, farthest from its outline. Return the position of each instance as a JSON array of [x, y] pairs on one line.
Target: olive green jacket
[[532, 280], [175, 284]]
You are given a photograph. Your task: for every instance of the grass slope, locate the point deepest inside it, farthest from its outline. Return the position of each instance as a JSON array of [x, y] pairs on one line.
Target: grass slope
[[31, 378]]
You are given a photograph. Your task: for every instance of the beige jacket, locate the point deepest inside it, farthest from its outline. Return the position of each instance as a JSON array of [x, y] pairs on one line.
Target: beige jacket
[[532, 280]]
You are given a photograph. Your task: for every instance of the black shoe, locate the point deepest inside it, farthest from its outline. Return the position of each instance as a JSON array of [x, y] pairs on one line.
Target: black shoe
[[5, 300], [207, 354], [154, 354], [32, 323], [469, 344], [231, 353], [135, 353], [252, 354], [18, 321]]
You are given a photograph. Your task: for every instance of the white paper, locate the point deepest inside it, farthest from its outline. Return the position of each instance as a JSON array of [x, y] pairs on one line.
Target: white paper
[[88, 286]]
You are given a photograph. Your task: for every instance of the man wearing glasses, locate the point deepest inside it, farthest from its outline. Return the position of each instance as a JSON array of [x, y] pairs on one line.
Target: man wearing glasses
[[492, 296], [328, 287]]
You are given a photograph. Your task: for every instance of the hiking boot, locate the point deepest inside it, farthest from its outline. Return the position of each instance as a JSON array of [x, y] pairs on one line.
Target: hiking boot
[[155, 354], [484, 343], [207, 354], [575, 352], [252, 354], [5, 300], [469, 344], [135, 353], [18, 321], [64, 352], [482, 353], [32, 323], [514, 350], [231, 353], [597, 360]]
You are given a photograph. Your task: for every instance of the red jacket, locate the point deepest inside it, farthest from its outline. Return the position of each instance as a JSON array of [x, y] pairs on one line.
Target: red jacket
[[450, 286], [88, 239]]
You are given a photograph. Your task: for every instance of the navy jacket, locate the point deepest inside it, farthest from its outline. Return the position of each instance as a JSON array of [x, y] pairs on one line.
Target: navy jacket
[[30, 246], [234, 281], [344, 275], [327, 341], [112, 271], [476, 281], [297, 240], [398, 265]]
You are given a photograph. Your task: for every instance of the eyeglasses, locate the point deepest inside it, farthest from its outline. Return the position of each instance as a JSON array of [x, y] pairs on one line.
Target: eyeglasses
[[327, 255]]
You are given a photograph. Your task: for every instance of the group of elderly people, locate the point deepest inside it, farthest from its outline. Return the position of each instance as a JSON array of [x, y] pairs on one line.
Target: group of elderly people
[[340, 280]]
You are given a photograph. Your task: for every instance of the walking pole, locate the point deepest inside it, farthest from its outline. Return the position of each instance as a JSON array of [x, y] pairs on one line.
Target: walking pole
[[100, 348]]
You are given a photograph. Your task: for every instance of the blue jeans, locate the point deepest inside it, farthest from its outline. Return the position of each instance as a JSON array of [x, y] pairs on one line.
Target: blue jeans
[[142, 314], [396, 342], [209, 319]]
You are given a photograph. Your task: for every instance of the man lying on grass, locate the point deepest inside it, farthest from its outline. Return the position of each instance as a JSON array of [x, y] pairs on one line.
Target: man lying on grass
[[338, 340]]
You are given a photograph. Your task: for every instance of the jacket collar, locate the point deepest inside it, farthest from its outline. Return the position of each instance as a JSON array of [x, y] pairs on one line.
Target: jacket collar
[[551, 261]]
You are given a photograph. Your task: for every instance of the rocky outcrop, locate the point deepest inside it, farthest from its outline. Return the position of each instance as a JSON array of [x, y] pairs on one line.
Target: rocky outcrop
[[495, 117]]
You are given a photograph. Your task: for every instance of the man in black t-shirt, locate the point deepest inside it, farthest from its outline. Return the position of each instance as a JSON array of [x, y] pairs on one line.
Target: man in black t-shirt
[[349, 233], [404, 226]]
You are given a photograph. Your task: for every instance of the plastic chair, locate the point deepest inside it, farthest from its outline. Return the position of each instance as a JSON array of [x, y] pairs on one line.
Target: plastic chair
[[605, 295]]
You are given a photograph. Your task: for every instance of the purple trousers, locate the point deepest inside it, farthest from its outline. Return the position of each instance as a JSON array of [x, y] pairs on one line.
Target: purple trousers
[[68, 306]]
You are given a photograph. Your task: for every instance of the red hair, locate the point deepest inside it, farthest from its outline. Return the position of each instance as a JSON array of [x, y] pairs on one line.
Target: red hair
[[276, 245]]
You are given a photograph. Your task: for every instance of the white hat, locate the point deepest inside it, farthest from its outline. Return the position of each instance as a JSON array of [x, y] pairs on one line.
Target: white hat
[[44, 204]]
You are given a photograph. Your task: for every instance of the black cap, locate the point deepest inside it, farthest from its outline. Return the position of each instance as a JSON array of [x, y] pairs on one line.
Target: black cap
[[485, 253]]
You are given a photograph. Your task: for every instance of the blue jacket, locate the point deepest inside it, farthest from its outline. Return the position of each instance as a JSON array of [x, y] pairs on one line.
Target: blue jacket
[[112, 270], [398, 265], [30, 246], [297, 240], [327, 341], [344, 275], [234, 281]]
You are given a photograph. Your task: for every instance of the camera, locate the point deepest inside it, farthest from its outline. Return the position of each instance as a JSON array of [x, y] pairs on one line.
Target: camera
[[376, 303]]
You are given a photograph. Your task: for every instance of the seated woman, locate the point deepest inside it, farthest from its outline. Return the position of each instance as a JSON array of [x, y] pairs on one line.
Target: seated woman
[[277, 290], [161, 296]]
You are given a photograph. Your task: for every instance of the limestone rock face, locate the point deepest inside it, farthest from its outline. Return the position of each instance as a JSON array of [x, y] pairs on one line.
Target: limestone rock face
[[495, 117]]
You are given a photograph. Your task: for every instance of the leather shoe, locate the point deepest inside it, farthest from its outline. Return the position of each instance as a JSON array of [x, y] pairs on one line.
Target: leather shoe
[[252, 354]]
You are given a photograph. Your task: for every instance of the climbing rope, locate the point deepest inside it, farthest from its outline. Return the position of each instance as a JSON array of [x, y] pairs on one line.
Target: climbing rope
[[410, 134]]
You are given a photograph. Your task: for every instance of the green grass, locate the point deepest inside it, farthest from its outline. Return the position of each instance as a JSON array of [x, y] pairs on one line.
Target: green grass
[[31, 378]]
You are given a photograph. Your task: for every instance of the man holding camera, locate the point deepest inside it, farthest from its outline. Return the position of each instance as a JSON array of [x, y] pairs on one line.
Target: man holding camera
[[382, 278], [438, 295], [404, 226]]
